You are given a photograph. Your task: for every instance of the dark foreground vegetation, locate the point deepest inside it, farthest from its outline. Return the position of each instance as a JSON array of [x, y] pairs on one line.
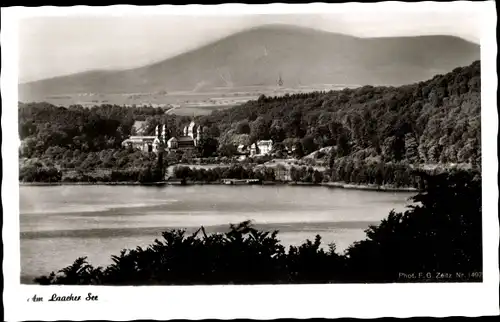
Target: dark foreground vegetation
[[439, 235]]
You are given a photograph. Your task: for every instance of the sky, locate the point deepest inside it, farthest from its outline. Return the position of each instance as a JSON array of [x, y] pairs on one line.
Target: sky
[[62, 45]]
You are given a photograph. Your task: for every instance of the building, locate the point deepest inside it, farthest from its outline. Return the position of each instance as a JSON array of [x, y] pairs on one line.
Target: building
[[172, 143], [143, 143], [189, 140], [263, 147], [147, 143]]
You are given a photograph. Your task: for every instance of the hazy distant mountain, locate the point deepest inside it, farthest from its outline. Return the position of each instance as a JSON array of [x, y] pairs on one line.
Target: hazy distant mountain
[[258, 56]]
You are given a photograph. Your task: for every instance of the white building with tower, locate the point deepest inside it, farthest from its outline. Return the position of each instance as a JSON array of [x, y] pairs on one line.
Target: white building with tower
[[147, 143], [190, 139]]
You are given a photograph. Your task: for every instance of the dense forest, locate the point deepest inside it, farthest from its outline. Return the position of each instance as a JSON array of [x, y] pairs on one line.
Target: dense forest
[[368, 128], [436, 121], [440, 233]]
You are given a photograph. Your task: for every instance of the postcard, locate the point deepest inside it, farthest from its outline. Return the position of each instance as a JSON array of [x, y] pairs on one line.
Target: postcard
[[250, 161]]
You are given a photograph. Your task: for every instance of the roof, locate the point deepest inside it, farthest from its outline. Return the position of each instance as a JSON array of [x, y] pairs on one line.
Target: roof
[[185, 139], [172, 139], [134, 141], [138, 137], [265, 142]]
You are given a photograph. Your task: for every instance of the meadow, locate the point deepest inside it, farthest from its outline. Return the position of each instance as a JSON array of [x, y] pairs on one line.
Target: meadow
[[184, 103]]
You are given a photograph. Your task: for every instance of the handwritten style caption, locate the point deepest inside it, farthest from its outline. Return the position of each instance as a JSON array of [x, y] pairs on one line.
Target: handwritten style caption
[[65, 298]]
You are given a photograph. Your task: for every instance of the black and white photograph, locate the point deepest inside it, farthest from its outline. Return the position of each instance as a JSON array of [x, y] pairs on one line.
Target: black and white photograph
[[250, 148]]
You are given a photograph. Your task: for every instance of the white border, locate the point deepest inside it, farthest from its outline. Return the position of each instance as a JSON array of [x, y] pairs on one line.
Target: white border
[[256, 302]]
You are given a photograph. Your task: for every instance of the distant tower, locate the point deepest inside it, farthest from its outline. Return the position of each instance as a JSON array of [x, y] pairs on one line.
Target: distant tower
[[280, 81], [185, 131], [157, 131]]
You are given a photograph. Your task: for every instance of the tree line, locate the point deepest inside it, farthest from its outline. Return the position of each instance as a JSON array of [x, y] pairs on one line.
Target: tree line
[[216, 174]]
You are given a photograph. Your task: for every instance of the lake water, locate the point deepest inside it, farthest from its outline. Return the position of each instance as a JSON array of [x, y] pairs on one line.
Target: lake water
[[61, 223]]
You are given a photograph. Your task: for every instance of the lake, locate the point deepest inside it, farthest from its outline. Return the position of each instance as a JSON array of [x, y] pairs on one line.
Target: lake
[[61, 223]]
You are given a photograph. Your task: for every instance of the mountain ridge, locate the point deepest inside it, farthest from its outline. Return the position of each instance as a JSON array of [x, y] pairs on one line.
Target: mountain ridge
[[256, 56]]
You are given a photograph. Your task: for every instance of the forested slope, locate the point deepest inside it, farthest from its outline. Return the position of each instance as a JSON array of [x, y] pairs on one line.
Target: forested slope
[[436, 121]]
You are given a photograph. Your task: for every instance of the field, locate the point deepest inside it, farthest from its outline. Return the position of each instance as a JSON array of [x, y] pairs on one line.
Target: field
[[183, 103]]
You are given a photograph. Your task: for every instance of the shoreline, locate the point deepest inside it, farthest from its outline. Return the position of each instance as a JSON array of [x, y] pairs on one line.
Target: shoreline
[[338, 185]]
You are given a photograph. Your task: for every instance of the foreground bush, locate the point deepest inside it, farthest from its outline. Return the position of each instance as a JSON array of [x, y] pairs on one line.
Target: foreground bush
[[440, 234]]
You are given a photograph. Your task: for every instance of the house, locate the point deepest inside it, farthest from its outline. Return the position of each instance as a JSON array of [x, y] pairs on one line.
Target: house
[[265, 146], [262, 147], [143, 143]]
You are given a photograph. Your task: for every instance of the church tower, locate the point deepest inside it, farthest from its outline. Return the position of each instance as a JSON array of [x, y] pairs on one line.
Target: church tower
[[198, 135], [280, 81], [163, 133], [191, 130]]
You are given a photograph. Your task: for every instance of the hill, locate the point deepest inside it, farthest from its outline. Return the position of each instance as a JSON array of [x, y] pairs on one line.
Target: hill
[[436, 121], [256, 57]]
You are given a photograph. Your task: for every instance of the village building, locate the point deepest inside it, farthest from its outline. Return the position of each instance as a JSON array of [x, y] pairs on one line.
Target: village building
[[143, 143], [263, 147]]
